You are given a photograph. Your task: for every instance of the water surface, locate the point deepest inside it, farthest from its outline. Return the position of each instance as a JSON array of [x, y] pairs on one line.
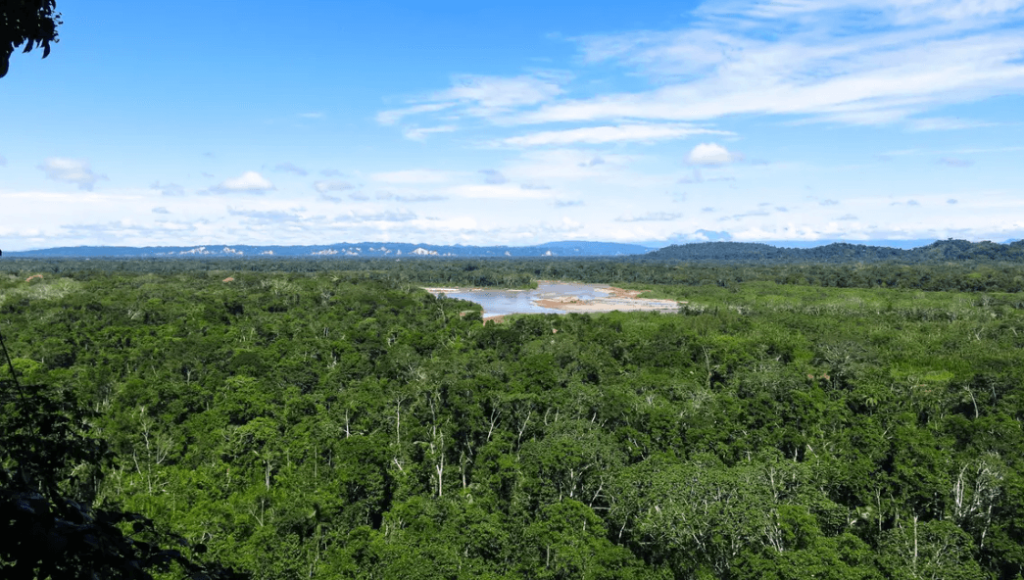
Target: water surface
[[503, 302]]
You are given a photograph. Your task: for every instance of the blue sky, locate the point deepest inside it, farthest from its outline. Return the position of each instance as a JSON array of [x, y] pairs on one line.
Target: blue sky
[[516, 123]]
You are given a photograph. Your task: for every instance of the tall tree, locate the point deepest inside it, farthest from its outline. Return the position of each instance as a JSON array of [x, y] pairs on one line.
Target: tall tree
[[32, 23]]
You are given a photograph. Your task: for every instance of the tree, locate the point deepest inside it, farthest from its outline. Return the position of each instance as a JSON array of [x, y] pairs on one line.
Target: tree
[[50, 469], [30, 22]]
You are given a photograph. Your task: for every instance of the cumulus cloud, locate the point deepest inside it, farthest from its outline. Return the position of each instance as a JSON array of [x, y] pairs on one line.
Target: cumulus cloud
[[710, 154], [658, 216], [332, 185], [250, 181], [610, 134], [493, 177], [71, 171], [290, 168]]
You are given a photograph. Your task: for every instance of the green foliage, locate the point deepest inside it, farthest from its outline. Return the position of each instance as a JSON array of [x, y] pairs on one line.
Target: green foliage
[[346, 424], [30, 22]]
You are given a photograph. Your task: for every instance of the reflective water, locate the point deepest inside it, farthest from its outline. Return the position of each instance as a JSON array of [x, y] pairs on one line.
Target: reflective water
[[502, 302]]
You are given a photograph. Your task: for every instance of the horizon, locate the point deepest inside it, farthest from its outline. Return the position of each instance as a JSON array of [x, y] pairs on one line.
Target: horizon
[[230, 249], [765, 121]]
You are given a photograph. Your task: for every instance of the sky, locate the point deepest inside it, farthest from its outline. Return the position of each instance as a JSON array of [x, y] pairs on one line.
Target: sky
[[485, 123]]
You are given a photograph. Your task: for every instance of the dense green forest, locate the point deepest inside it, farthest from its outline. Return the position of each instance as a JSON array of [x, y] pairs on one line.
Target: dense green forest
[[842, 253], [936, 275], [320, 419]]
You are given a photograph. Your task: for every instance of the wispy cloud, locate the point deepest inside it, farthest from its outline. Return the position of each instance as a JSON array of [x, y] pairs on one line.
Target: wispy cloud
[[421, 133], [168, 189], [388, 196], [648, 133], [953, 162], [332, 185], [71, 171], [480, 96], [412, 177], [944, 124], [493, 177], [386, 216], [264, 217], [161, 210], [658, 216], [797, 57], [290, 168]]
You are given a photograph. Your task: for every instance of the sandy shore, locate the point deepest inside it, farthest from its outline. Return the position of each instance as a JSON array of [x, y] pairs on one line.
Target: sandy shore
[[610, 304]]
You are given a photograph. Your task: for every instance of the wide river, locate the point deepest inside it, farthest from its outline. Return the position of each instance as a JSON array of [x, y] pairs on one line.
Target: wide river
[[503, 302]]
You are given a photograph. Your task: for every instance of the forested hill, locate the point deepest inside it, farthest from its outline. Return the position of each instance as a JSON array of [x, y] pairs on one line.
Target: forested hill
[[941, 251], [345, 250]]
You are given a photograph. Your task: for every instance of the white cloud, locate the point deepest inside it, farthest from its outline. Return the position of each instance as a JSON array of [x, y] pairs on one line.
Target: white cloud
[[498, 191], [610, 134], [944, 124], [900, 11], [657, 216], [71, 171], [291, 168], [312, 115], [493, 177], [809, 65], [480, 96], [332, 185], [385, 216], [421, 133], [168, 189], [412, 176], [395, 115], [249, 181], [710, 154]]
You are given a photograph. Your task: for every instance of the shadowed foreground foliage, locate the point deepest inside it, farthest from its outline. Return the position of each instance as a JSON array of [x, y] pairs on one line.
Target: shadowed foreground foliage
[[49, 471]]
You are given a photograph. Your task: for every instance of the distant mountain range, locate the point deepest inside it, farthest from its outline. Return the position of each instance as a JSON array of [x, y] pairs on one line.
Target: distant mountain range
[[346, 250], [940, 251], [720, 251]]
